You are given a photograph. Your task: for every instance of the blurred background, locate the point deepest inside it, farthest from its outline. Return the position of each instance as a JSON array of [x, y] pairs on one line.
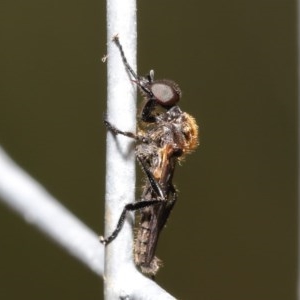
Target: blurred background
[[233, 232]]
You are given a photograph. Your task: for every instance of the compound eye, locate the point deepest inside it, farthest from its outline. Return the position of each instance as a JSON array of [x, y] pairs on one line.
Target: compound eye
[[166, 93]]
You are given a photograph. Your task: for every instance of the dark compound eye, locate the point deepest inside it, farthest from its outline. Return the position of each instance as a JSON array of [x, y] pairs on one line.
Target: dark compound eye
[[166, 92]]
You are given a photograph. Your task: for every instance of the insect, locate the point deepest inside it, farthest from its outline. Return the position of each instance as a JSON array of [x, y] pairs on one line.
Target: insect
[[166, 134]]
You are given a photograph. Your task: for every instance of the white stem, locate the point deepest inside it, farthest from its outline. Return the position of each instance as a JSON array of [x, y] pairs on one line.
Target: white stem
[[298, 75], [34, 204], [122, 280], [120, 161]]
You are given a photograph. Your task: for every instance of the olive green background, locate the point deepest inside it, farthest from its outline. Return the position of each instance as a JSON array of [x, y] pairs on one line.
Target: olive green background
[[233, 232]]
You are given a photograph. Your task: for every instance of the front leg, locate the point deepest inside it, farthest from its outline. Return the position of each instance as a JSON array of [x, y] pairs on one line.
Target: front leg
[[138, 137]]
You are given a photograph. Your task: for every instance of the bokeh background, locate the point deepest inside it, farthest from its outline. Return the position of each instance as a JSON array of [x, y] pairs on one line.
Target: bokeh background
[[232, 235]]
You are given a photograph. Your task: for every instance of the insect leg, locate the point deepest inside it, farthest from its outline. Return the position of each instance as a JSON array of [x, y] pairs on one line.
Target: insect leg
[[118, 44], [147, 112], [115, 130], [153, 182], [140, 204], [128, 207], [174, 198], [142, 82]]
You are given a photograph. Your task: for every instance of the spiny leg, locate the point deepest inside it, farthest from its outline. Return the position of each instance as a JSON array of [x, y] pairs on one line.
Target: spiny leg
[[117, 42], [153, 182], [172, 201], [142, 82], [148, 114], [115, 131], [138, 205], [128, 207]]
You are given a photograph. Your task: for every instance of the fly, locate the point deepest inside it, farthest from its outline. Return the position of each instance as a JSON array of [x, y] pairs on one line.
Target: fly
[[165, 135]]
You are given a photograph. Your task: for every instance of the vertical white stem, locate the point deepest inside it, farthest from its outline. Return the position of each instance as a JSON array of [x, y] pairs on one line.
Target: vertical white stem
[[120, 163], [298, 75]]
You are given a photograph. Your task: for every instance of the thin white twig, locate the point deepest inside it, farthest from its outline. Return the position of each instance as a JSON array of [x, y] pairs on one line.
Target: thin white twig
[[36, 206], [122, 280], [120, 161], [298, 75]]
